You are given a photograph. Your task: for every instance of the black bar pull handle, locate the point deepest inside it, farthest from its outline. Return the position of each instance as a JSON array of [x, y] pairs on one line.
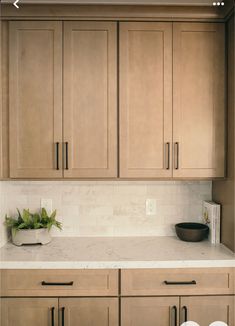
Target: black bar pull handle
[[176, 153], [62, 316], [44, 283], [193, 282], [185, 310], [167, 156], [66, 155], [174, 317], [57, 148], [53, 316]]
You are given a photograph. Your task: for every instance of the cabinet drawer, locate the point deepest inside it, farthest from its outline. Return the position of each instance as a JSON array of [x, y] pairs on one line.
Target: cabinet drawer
[[177, 281], [59, 283]]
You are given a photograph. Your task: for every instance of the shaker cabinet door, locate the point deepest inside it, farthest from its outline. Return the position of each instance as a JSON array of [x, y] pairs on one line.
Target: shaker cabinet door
[[145, 100], [158, 311], [206, 310], [89, 311], [199, 100], [35, 81], [90, 99], [28, 312]]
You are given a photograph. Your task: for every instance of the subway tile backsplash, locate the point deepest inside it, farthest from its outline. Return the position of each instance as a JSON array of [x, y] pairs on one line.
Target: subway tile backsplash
[[109, 208]]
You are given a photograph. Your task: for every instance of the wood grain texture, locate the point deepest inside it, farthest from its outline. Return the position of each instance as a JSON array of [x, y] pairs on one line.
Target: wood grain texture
[[117, 12], [145, 99], [90, 311], [209, 281], [199, 99], [28, 312], [35, 98], [205, 310], [224, 190], [85, 282], [90, 98], [148, 311]]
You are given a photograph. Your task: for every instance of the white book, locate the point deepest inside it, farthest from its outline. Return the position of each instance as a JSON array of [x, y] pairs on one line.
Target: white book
[[211, 217]]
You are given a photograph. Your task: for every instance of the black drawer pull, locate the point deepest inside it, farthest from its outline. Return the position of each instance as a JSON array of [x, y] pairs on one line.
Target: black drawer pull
[[57, 283], [180, 283]]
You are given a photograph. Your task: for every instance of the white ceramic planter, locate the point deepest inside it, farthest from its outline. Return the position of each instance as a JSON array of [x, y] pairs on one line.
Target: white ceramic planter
[[21, 237]]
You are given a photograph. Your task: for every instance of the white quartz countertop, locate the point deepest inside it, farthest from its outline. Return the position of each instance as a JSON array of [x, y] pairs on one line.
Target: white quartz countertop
[[125, 252]]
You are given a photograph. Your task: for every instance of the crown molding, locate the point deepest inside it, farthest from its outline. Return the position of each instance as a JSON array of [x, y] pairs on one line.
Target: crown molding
[[112, 12]]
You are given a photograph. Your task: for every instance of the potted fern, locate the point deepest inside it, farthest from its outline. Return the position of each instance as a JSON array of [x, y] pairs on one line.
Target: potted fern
[[31, 228]]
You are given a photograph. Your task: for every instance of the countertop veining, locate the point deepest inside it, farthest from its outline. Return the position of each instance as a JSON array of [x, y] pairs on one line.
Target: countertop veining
[[124, 252]]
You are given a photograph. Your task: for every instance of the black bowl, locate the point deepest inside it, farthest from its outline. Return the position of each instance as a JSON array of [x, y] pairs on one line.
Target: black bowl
[[192, 232]]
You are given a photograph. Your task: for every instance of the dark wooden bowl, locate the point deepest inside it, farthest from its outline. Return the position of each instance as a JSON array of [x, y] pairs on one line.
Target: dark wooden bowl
[[191, 232]]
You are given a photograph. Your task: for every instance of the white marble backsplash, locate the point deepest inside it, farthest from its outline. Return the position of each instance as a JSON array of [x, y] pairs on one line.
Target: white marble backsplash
[[109, 208]]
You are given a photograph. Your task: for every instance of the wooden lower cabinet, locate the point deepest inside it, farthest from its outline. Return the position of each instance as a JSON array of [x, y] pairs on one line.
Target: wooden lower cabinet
[[174, 311], [158, 311], [29, 312], [206, 310], [89, 311], [135, 311], [72, 311]]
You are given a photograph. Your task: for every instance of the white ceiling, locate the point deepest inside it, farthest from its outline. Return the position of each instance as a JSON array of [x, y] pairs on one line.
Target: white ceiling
[[120, 2]]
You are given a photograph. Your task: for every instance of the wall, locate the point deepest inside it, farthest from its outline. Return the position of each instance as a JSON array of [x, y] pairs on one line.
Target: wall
[[3, 233], [111, 208], [223, 191]]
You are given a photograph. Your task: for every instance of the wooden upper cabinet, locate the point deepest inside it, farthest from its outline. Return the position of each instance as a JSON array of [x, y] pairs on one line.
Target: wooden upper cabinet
[[199, 100], [145, 99], [90, 99], [35, 82], [171, 99]]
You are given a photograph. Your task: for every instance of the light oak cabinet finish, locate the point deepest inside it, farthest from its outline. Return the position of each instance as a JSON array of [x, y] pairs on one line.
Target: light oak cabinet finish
[[44, 311], [63, 89], [85, 282], [89, 311], [151, 144], [90, 99], [205, 310], [35, 98], [198, 100], [161, 311], [165, 311], [29, 312], [145, 99], [63, 126], [208, 281]]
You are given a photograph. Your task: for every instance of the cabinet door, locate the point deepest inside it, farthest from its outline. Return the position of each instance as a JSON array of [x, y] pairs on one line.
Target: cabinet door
[[29, 312], [145, 99], [35, 99], [198, 97], [160, 311], [90, 99], [206, 310], [89, 311]]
